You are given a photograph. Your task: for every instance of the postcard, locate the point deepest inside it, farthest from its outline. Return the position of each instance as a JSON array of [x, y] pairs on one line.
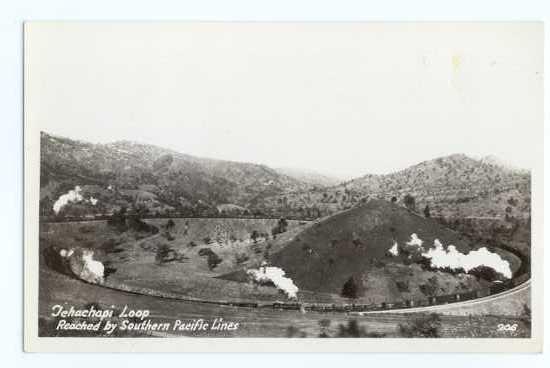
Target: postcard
[[249, 186]]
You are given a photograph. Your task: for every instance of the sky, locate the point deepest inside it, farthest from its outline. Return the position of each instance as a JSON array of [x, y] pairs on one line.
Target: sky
[[343, 99]]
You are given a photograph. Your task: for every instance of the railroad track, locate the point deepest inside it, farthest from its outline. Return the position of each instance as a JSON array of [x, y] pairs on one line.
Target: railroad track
[[439, 307]]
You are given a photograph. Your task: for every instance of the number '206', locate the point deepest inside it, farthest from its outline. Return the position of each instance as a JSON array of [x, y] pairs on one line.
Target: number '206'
[[503, 327]]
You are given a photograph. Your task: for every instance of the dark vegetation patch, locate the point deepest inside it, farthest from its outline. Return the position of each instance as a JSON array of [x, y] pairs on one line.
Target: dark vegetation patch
[[212, 259], [431, 287], [123, 221], [421, 326], [402, 286], [354, 329], [487, 273], [165, 254], [241, 258], [350, 288]]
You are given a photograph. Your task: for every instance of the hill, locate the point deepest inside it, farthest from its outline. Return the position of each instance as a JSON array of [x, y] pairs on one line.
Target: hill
[[389, 253], [158, 180], [452, 186], [310, 177]]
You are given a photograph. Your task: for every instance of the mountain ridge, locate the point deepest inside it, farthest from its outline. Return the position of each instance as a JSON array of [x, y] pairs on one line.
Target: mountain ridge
[[179, 180], [165, 181], [444, 184]]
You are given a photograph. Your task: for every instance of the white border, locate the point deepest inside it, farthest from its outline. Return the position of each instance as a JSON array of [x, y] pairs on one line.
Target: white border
[[34, 343]]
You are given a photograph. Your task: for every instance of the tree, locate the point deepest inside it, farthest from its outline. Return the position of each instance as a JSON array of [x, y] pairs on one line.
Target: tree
[[427, 211], [281, 227], [409, 202], [118, 219], [164, 254], [324, 324], [350, 289], [254, 236], [212, 258]]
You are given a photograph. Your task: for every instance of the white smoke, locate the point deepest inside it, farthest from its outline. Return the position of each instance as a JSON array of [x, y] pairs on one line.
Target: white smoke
[[71, 196], [66, 253], [453, 259], [277, 276], [93, 271], [64, 199], [394, 250], [415, 241], [83, 265]]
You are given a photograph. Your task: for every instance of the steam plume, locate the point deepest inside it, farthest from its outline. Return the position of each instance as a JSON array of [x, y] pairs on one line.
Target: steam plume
[[415, 241], [71, 196], [453, 259], [83, 266], [277, 276], [394, 250], [64, 199]]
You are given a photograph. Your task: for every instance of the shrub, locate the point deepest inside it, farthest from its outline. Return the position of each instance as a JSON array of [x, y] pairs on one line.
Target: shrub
[[136, 224], [254, 236], [402, 286], [281, 227], [212, 259], [423, 326], [293, 331], [427, 211], [485, 273], [353, 329], [165, 254], [350, 289], [118, 219], [409, 202], [166, 235], [241, 258]]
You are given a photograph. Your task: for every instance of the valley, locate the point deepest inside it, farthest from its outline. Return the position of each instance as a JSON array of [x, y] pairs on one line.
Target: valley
[[144, 223]]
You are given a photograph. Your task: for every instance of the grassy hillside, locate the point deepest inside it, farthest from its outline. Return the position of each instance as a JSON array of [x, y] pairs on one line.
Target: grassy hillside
[[157, 179], [452, 186], [355, 243], [311, 177], [209, 258]]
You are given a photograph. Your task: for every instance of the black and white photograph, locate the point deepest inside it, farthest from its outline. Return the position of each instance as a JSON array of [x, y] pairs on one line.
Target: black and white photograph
[[304, 183]]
